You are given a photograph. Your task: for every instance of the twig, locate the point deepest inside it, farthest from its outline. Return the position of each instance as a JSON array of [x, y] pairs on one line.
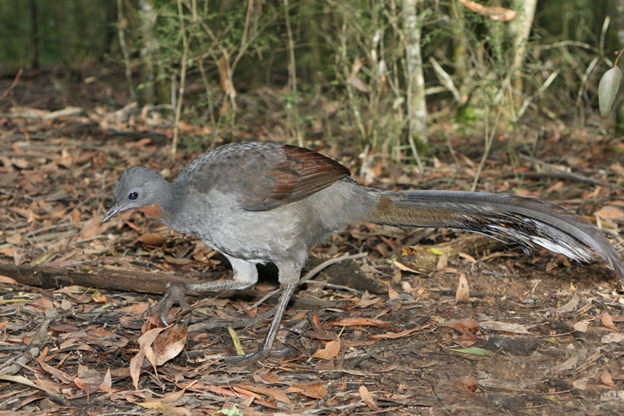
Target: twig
[[445, 79], [31, 351], [311, 274], [571, 175], [488, 143], [541, 89], [8, 90]]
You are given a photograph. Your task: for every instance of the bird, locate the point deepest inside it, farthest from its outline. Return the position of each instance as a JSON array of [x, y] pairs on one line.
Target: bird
[[262, 202]]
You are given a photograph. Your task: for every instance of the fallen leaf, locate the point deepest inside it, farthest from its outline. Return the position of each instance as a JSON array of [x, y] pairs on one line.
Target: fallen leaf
[[580, 384], [403, 267], [275, 394], [503, 327], [136, 363], [315, 391], [367, 398], [607, 321], [463, 291], [168, 343], [152, 239], [107, 382], [613, 337], [608, 381], [609, 214], [329, 352], [442, 261], [462, 325], [394, 335], [474, 351], [467, 384], [360, 322], [391, 292], [570, 306]]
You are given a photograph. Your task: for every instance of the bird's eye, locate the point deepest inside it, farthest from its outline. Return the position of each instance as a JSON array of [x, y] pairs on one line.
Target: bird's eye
[[133, 195]]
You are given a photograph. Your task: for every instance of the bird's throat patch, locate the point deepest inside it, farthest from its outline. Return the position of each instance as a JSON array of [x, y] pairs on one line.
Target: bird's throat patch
[[152, 210]]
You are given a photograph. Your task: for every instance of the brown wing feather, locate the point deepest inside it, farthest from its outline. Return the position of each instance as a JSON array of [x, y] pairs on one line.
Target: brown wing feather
[[303, 173]]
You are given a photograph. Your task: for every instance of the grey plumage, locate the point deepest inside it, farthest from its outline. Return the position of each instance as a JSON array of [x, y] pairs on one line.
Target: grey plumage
[[263, 202]]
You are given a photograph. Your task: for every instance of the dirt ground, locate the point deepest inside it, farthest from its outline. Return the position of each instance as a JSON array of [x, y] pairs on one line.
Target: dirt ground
[[381, 334]]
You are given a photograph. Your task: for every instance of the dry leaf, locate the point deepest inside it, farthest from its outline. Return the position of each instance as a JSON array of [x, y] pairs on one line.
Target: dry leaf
[[494, 13], [467, 384], [224, 80], [570, 306], [394, 335], [581, 326], [106, 385], [5, 279], [315, 391], [152, 239], [607, 321], [354, 80], [367, 398], [136, 363], [504, 327], [462, 325], [608, 381], [331, 350], [610, 213], [613, 337], [442, 261], [177, 261], [168, 343], [276, 394], [391, 292], [403, 267], [463, 291], [359, 321]]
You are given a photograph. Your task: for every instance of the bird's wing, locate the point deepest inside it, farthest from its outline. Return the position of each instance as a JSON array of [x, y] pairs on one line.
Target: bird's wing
[[265, 176]]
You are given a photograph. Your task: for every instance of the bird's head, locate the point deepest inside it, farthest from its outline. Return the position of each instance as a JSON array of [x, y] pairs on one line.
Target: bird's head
[[138, 188]]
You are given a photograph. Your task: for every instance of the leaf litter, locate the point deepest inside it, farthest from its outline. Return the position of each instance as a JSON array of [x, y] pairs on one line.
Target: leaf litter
[[535, 325]]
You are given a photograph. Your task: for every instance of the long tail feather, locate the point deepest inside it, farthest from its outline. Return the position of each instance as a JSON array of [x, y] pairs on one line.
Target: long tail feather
[[526, 221]]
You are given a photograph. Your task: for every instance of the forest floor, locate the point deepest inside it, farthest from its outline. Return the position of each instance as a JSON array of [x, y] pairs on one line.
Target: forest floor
[[381, 334]]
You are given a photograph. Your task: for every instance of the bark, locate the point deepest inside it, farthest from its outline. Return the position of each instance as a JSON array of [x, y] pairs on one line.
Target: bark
[[521, 25], [149, 52], [416, 104]]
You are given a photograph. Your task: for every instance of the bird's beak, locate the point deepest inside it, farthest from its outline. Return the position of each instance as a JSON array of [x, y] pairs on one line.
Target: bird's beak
[[116, 209]]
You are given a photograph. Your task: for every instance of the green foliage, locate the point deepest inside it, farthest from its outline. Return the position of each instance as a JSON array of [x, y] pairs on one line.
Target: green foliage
[[70, 32], [348, 52]]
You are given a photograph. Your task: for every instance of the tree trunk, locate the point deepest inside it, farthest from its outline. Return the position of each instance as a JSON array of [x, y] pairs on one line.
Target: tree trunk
[[416, 104], [149, 52], [521, 26]]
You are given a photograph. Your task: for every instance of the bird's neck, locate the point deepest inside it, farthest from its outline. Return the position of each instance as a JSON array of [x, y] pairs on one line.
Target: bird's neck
[[171, 201]]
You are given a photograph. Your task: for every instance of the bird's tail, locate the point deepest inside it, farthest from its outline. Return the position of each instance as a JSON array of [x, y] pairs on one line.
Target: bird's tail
[[526, 221]]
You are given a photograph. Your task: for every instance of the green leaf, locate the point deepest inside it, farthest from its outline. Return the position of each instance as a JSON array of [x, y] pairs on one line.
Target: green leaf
[[236, 341], [608, 88], [475, 351]]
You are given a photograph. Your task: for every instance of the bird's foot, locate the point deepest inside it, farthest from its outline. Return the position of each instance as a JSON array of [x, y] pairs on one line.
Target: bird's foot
[[175, 294], [253, 357]]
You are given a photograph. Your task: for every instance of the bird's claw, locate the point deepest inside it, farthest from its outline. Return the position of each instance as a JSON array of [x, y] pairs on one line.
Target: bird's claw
[[175, 294], [252, 357]]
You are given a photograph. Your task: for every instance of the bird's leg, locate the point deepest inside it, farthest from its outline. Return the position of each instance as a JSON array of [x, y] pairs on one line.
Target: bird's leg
[[245, 275], [177, 294], [265, 349]]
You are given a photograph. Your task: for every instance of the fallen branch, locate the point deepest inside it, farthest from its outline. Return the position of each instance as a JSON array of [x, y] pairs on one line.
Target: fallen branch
[[571, 175], [123, 280]]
